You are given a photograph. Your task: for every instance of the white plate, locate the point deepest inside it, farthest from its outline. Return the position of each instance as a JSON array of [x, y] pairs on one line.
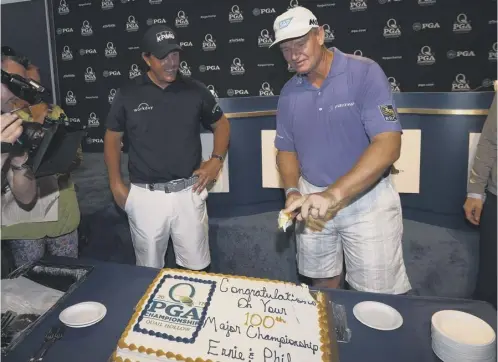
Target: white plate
[[83, 314], [84, 325], [378, 315], [463, 329]]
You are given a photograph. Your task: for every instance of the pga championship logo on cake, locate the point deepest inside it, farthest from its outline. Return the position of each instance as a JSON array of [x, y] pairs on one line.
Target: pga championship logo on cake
[[177, 308]]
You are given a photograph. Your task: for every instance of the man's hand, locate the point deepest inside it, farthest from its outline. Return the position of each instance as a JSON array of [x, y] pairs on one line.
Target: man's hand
[[291, 197], [208, 172], [11, 127], [473, 209], [120, 193], [321, 205]]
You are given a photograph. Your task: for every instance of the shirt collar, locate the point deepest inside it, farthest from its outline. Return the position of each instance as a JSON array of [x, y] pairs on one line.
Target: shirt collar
[[338, 63]]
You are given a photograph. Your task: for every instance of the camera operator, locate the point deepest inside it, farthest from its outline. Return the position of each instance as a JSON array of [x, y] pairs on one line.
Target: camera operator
[[51, 225], [20, 179]]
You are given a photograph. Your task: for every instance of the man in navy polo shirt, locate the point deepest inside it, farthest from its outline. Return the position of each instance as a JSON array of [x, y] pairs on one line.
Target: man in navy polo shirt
[[338, 134], [162, 114]]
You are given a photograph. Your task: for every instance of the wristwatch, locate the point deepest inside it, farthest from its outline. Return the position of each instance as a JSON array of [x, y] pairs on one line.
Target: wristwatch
[[217, 156]]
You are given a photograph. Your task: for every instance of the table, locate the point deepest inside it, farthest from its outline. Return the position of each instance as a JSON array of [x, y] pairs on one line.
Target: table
[[119, 287]]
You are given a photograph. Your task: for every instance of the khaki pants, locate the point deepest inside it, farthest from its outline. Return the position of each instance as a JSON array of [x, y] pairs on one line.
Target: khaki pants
[[154, 216]]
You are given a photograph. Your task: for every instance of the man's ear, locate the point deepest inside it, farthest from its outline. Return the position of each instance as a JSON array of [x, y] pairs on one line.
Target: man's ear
[[321, 35], [146, 59]]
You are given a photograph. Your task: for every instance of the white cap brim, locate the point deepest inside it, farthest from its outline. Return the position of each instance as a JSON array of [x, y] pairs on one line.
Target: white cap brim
[[296, 33]]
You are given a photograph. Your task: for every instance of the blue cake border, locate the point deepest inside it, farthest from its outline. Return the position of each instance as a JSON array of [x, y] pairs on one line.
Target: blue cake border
[[169, 337]]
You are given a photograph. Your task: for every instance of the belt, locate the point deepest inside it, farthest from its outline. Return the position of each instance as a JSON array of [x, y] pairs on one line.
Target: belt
[[171, 186]]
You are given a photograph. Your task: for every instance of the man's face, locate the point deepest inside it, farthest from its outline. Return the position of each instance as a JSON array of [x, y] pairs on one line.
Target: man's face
[[9, 100], [166, 69], [303, 54]]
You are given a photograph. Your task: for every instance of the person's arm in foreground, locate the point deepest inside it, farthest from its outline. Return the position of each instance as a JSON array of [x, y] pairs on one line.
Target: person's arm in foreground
[[481, 168]]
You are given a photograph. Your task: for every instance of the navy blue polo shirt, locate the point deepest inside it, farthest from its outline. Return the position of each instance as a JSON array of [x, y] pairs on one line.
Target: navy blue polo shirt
[[330, 127], [163, 126]]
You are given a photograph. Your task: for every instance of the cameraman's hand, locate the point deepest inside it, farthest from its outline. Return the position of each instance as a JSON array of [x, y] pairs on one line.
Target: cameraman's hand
[[120, 193], [11, 127]]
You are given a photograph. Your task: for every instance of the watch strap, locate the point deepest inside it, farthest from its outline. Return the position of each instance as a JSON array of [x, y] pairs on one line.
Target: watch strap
[[291, 189], [214, 155]]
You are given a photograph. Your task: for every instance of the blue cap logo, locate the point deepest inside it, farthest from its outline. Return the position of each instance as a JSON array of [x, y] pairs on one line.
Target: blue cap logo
[[284, 23]]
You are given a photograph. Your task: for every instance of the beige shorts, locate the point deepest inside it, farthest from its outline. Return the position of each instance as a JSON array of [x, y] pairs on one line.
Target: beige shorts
[[366, 234], [154, 216]]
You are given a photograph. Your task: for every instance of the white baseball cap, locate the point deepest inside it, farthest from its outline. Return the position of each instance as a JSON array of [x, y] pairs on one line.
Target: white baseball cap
[[294, 23]]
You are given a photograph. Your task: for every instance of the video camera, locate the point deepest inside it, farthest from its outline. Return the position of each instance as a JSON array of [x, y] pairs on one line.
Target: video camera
[[52, 144]]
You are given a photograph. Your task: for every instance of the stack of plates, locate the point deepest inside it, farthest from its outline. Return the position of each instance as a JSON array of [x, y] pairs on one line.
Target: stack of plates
[[83, 314], [459, 336]]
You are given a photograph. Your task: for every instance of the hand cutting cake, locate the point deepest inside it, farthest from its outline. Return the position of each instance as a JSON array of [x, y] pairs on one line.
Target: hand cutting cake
[[284, 220]]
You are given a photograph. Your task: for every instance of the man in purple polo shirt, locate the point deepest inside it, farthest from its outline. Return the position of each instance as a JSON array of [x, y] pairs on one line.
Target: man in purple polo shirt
[[337, 136]]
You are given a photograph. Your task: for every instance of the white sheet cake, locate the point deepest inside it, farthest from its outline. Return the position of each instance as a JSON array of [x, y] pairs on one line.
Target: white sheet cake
[[201, 317]]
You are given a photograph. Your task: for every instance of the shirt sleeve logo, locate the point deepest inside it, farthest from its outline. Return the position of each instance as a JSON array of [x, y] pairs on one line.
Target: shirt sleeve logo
[[388, 113]]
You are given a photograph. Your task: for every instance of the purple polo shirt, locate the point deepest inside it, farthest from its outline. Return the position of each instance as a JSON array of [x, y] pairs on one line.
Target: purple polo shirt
[[329, 128]]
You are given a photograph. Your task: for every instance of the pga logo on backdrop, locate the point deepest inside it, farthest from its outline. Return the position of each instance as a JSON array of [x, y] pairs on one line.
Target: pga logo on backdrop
[[66, 53], [237, 68], [235, 15], [426, 56], [460, 84], [493, 53], [185, 69], [110, 50], [358, 5], [63, 9], [93, 120], [267, 11], [181, 20], [70, 98], [266, 90], [237, 92]]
